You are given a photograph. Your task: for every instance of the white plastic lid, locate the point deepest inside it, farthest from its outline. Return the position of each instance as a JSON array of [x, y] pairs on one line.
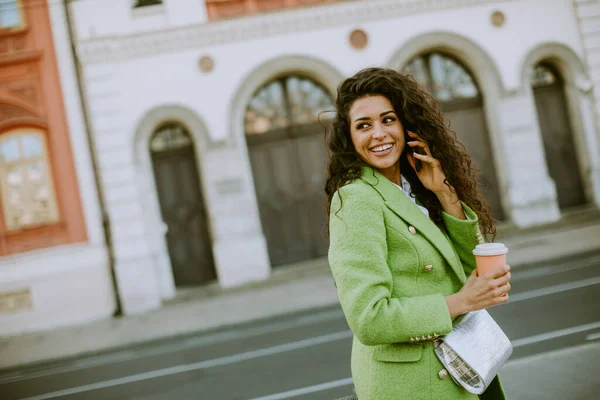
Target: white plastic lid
[[490, 249]]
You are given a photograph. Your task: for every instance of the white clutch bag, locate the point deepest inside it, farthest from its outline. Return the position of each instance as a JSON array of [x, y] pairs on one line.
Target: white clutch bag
[[474, 351]]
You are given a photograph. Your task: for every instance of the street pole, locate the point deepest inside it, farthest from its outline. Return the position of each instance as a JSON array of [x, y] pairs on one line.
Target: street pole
[[94, 159]]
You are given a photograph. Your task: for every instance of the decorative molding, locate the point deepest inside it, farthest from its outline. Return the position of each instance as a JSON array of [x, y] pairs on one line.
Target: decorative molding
[[21, 57], [206, 64], [120, 48], [25, 91], [358, 39], [9, 111], [498, 19]]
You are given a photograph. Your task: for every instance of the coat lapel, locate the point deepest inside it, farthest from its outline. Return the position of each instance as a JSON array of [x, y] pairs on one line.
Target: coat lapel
[[402, 206]]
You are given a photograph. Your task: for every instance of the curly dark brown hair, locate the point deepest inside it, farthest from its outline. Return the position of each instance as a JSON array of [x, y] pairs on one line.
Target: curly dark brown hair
[[418, 112]]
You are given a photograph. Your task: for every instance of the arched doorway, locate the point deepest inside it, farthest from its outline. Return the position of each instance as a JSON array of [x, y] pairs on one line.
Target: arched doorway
[[461, 101], [288, 156], [559, 148], [182, 205]]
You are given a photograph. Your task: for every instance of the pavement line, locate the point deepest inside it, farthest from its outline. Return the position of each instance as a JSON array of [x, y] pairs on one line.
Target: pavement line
[[217, 362], [516, 343], [307, 390], [563, 287], [554, 334], [190, 343], [593, 336], [519, 274]]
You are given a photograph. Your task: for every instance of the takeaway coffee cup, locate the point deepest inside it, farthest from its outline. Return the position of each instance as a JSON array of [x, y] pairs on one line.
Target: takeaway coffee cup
[[489, 256]]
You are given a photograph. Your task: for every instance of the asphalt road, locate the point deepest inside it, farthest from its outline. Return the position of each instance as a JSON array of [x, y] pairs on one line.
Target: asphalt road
[[307, 355]]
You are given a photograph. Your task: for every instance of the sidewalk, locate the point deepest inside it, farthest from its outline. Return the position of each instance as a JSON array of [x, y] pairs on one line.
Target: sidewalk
[[290, 289]]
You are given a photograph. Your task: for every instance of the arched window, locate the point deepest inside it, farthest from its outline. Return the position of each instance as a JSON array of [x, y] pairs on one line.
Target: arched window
[[445, 77], [288, 101], [26, 184], [170, 137], [543, 75]]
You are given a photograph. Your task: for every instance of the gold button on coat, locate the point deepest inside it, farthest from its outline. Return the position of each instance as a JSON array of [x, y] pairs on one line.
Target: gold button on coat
[[429, 267], [412, 230], [443, 374]]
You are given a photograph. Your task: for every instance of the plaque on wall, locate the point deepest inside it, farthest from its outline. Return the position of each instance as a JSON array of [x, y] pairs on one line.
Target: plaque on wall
[[229, 186], [15, 301]]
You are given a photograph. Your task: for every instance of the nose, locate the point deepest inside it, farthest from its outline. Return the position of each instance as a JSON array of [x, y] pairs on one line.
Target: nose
[[378, 132]]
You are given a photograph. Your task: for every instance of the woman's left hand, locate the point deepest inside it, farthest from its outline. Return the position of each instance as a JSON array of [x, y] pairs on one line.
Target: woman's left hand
[[431, 174]]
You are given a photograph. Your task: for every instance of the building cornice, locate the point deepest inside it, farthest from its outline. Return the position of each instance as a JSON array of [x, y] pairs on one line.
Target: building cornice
[[121, 48]]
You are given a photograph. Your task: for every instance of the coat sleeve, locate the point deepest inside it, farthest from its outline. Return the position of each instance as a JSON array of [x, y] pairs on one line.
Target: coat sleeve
[[358, 260], [464, 235]]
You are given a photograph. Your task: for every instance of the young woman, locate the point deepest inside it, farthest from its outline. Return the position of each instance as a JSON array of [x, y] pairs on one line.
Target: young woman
[[404, 216]]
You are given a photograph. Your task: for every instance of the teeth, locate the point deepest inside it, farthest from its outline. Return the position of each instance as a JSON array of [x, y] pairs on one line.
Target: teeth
[[382, 148]]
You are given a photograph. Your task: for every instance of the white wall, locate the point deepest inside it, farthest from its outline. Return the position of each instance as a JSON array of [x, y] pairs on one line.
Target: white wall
[[128, 74]]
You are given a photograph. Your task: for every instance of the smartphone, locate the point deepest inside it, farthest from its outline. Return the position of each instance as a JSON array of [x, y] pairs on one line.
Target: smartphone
[[408, 150]]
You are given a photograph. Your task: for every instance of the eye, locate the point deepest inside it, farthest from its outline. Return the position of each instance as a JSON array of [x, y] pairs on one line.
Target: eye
[[388, 120], [362, 126]]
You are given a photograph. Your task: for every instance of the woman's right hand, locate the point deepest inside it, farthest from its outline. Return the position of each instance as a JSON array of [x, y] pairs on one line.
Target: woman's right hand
[[481, 292]]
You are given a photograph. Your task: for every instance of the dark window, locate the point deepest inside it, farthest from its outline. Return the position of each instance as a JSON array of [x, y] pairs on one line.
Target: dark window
[[292, 100], [143, 3], [445, 77], [543, 75]]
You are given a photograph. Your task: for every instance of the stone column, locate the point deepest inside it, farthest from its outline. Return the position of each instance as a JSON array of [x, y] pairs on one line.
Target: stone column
[[591, 170], [239, 246], [531, 193], [588, 15]]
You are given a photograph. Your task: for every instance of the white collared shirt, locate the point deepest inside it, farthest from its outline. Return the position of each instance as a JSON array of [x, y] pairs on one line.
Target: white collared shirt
[[405, 188]]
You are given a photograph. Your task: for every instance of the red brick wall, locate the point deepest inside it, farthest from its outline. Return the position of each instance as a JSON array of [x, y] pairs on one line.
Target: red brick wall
[[30, 95]]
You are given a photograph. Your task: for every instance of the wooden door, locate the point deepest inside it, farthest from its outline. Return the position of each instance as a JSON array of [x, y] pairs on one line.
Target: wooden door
[[462, 103], [182, 207], [287, 153], [559, 148]]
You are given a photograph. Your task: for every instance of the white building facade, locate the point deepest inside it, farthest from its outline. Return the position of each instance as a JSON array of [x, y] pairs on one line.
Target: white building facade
[[204, 127]]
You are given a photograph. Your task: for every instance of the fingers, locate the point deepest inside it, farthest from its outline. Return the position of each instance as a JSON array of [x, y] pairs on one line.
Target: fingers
[[497, 272], [501, 299], [415, 136], [422, 145], [427, 159], [503, 280], [502, 290]]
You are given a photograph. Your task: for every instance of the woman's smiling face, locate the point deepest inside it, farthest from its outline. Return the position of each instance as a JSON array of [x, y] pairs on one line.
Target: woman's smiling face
[[377, 134]]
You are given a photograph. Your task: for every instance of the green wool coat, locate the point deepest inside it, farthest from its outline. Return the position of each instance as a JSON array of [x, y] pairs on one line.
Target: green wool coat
[[393, 267]]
